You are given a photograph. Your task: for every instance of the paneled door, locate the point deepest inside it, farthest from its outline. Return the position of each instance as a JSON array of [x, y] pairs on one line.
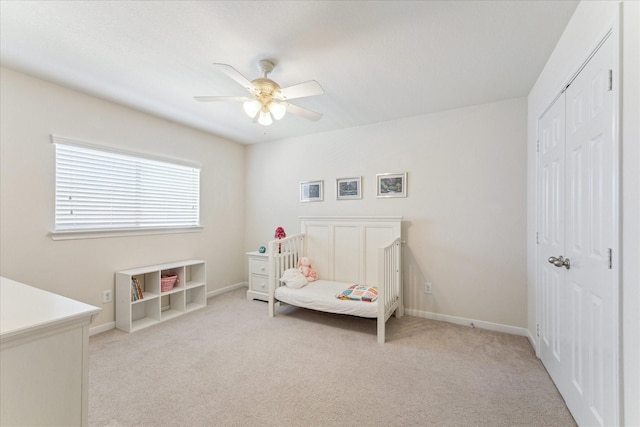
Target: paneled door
[[578, 238], [551, 234]]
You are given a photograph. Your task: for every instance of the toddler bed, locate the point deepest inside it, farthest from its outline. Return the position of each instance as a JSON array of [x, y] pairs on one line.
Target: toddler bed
[[345, 251]]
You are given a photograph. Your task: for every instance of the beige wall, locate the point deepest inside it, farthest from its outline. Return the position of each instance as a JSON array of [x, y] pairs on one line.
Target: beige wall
[[590, 22], [31, 110], [465, 213]]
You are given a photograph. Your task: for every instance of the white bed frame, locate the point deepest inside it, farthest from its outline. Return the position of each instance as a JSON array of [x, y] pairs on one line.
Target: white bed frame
[[364, 250]]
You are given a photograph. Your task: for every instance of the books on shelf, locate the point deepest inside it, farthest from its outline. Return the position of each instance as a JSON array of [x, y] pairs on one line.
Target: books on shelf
[[136, 290]]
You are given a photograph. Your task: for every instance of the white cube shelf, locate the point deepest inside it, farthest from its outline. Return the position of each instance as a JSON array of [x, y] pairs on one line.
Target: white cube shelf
[[188, 294]]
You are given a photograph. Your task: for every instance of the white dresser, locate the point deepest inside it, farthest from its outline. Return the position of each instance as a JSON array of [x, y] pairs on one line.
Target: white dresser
[[258, 276], [44, 355]]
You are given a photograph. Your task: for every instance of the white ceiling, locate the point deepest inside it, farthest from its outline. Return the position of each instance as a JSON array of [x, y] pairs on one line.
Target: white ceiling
[[376, 60]]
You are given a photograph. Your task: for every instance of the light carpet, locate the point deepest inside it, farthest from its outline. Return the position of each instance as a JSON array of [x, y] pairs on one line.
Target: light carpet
[[230, 365]]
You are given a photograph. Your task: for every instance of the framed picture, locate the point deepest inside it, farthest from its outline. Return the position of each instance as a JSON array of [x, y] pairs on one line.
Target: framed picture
[[311, 191], [349, 188], [392, 184]]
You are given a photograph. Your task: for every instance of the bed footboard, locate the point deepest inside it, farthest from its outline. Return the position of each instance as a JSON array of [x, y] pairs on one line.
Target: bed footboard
[[283, 254], [390, 285]]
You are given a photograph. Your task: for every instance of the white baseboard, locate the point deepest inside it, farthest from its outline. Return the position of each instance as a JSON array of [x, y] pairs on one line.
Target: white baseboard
[[102, 328], [110, 325], [532, 341], [227, 289], [513, 330]]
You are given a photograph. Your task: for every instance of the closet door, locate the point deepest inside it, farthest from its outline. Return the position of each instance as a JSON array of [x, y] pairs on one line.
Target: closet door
[[591, 210], [551, 234], [579, 292]]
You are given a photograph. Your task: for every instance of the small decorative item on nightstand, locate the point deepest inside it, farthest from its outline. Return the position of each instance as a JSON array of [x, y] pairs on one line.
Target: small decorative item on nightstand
[[262, 249], [280, 234]]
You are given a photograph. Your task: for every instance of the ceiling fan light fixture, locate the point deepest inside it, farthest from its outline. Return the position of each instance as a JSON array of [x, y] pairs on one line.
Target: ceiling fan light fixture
[[278, 110], [265, 117], [268, 101], [251, 107]]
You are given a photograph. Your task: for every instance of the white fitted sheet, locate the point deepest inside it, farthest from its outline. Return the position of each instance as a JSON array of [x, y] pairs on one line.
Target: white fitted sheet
[[321, 295]]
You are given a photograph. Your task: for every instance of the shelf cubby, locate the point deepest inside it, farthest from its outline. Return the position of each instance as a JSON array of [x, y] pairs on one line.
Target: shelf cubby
[[189, 293]]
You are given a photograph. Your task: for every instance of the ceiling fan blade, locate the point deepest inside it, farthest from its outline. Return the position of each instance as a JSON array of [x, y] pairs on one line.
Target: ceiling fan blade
[[235, 75], [300, 90], [302, 112], [220, 98]]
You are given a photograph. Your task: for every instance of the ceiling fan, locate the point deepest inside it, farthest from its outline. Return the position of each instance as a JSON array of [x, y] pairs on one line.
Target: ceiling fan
[[268, 100]]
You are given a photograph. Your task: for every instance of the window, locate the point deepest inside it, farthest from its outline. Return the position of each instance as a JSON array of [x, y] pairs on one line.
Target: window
[[102, 190]]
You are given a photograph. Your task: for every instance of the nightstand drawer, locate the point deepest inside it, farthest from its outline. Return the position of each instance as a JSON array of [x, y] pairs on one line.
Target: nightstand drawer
[[259, 283], [258, 266], [258, 276]]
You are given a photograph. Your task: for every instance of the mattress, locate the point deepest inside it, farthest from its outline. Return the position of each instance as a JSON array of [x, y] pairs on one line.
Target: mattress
[[321, 295]]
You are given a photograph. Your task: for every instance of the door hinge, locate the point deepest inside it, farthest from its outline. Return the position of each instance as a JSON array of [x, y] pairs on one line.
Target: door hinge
[[610, 80], [610, 251], [537, 238], [538, 146], [537, 329]]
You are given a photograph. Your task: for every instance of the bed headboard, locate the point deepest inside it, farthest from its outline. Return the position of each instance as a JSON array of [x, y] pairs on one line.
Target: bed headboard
[[345, 249]]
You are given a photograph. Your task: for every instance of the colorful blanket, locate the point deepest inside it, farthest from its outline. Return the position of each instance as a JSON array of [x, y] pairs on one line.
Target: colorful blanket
[[359, 293]]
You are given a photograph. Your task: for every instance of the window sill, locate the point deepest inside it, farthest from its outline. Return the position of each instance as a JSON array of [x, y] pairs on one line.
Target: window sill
[[125, 232]]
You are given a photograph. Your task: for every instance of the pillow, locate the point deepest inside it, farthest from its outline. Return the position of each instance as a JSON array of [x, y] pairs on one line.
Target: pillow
[[359, 293], [293, 278]]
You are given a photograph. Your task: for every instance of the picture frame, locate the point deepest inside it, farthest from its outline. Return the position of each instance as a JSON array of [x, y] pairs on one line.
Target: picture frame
[[311, 191], [349, 188], [391, 185]]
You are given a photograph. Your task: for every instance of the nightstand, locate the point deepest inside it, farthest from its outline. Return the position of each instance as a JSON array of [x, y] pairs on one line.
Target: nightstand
[[258, 276]]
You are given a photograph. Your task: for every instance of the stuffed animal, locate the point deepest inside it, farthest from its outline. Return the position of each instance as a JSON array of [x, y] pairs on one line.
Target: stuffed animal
[[304, 264]]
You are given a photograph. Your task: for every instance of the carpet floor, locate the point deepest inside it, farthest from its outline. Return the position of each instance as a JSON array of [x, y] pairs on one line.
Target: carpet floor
[[230, 365]]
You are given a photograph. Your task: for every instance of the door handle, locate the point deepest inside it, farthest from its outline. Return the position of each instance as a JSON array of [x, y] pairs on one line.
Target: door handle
[[560, 262]]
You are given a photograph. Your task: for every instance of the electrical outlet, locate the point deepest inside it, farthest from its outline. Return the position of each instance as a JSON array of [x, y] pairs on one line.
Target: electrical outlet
[[107, 296], [427, 287]]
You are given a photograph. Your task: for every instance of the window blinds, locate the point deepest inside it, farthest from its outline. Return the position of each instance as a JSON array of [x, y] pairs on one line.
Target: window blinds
[[104, 190]]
